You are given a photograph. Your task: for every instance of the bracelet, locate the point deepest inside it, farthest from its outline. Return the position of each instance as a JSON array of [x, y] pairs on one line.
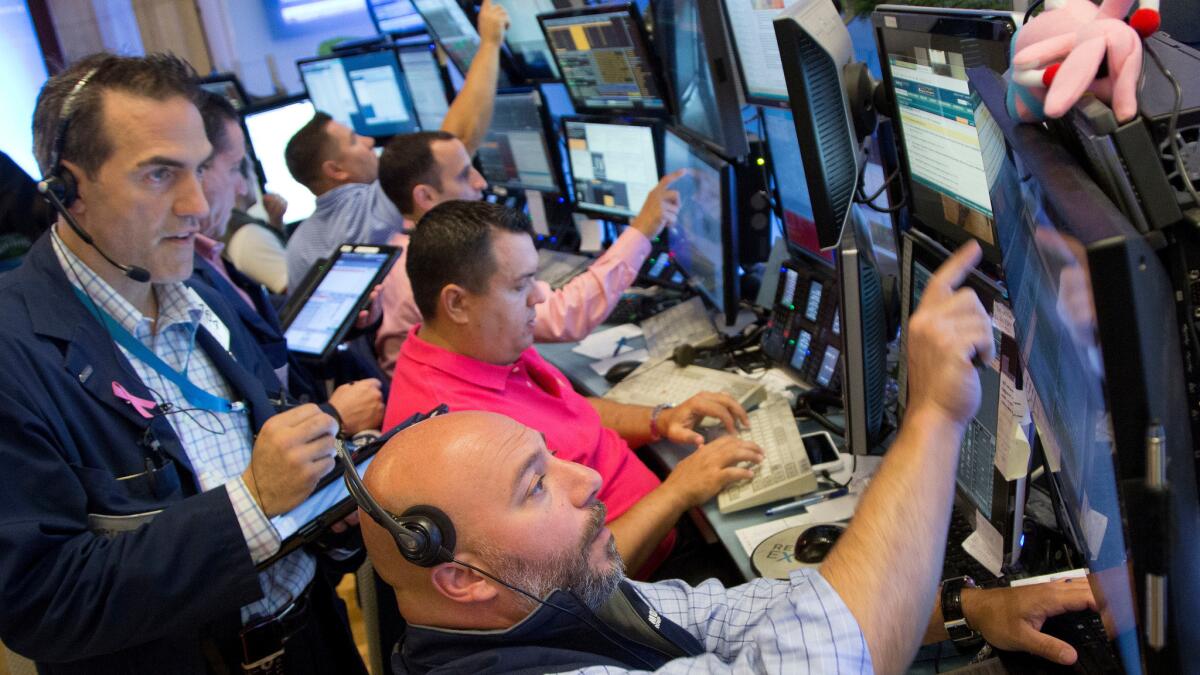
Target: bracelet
[[655, 435]]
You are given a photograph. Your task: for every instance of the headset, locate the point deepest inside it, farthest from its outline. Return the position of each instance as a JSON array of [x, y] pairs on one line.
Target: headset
[[60, 189], [425, 535]]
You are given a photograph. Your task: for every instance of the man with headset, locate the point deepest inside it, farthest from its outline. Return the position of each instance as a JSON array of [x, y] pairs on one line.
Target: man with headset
[[142, 454], [519, 573]]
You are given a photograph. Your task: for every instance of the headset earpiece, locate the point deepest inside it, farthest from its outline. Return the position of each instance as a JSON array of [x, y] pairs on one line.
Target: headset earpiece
[[62, 183], [433, 537]]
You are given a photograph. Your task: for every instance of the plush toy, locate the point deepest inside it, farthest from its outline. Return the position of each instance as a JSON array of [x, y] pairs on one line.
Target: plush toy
[[1075, 47]]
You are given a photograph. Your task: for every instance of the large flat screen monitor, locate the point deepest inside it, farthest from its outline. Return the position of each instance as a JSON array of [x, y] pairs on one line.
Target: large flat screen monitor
[[424, 78], [452, 28], [948, 144], [365, 91], [703, 241], [750, 22], [700, 68], [613, 166], [395, 17], [268, 131], [606, 60], [525, 40], [799, 226], [516, 154]]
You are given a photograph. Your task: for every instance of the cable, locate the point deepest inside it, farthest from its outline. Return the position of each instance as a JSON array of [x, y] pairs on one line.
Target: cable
[[1172, 130], [1029, 12], [869, 202]]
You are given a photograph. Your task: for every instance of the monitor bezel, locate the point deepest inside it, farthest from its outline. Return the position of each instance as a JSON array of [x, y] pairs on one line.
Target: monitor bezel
[[549, 142], [403, 81], [654, 68], [747, 95], [250, 151], [655, 127], [979, 24], [232, 78]]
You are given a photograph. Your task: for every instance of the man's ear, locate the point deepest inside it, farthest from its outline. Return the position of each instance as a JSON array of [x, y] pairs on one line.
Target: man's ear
[[82, 188], [333, 171], [461, 584], [453, 304], [424, 197]]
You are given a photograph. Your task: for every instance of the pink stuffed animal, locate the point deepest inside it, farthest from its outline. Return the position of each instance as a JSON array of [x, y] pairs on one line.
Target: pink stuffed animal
[[1057, 54]]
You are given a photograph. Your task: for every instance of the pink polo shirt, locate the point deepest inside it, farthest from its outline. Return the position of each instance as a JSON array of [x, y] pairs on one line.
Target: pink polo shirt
[[568, 314], [532, 392], [210, 249]]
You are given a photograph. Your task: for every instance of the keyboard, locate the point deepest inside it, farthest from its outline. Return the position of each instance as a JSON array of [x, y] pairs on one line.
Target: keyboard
[[686, 323], [957, 562], [558, 267], [786, 471], [1082, 630], [664, 382]]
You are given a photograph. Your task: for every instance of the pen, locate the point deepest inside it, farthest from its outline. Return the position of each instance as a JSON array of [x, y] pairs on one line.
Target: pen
[[807, 501], [620, 343]]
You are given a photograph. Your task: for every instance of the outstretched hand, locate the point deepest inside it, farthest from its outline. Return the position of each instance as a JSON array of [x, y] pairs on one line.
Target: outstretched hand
[[1011, 618]]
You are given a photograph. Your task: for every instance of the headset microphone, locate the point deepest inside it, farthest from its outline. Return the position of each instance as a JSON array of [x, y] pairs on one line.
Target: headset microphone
[[46, 187]]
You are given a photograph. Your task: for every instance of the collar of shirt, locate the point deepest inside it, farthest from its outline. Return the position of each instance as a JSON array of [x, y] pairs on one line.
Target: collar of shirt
[[384, 209], [481, 373], [177, 304], [208, 248]]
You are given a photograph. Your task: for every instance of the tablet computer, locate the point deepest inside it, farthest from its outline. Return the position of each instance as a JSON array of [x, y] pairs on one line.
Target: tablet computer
[[320, 320]]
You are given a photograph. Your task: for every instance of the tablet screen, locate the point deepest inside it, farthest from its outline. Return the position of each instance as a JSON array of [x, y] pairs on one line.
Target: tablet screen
[[318, 502], [330, 306]]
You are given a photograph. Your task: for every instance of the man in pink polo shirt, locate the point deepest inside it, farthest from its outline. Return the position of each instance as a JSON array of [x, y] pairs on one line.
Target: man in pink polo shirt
[[419, 171], [472, 266]]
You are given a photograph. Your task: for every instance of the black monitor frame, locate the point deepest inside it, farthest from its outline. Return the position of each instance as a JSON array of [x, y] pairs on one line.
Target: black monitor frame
[[232, 79], [730, 279], [653, 66], [402, 80], [550, 143], [655, 127], [984, 25]]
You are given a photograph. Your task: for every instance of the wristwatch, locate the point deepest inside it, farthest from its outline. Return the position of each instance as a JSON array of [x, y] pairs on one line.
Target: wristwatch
[[963, 636]]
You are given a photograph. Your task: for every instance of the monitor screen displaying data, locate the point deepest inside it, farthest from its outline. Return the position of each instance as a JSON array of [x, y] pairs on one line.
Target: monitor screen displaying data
[[515, 155], [424, 78], [790, 184], [750, 22], [452, 28], [269, 132], [605, 60], [613, 166], [366, 92], [395, 17], [696, 238]]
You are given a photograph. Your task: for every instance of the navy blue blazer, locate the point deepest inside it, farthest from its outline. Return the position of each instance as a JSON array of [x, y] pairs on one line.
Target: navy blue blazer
[[73, 454]]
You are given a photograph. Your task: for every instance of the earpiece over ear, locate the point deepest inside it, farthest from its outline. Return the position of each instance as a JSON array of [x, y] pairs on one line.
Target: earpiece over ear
[[432, 538]]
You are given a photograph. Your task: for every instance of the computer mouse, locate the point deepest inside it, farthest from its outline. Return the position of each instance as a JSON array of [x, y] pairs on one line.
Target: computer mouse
[[814, 543], [620, 371]]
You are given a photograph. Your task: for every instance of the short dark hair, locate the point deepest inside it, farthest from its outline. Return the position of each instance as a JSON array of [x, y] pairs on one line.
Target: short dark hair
[[308, 150], [86, 143], [216, 110], [453, 245], [407, 162]]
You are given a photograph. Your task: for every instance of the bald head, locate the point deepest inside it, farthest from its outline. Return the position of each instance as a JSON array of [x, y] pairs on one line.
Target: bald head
[[517, 511]]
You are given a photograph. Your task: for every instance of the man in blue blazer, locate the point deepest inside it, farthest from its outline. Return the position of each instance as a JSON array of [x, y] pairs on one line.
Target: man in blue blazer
[[142, 454]]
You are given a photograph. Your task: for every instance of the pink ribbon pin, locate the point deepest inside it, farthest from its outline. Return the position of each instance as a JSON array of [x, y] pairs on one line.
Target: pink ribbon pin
[[141, 405]]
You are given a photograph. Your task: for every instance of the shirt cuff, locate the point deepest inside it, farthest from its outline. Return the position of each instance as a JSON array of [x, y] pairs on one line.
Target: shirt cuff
[[261, 537]]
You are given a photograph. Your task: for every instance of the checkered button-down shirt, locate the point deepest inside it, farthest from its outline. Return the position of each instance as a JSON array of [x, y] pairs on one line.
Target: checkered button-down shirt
[[796, 626], [218, 445]]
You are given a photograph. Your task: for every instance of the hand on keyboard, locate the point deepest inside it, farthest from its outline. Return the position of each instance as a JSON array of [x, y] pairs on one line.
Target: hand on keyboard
[[1011, 618], [678, 424], [704, 473]]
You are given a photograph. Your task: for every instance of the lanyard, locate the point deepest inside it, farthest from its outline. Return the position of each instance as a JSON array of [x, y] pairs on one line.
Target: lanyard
[[195, 396]]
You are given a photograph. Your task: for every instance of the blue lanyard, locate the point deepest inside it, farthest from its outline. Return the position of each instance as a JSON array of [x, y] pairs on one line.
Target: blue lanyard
[[195, 396]]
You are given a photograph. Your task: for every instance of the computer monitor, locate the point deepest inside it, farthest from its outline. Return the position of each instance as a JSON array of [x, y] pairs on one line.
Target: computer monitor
[[452, 28], [1090, 299], [613, 165], [981, 481], [227, 85], [703, 241], [268, 130], [525, 40], [946, 150], [516, 154], [364, 91], [700, 67], [425, 84], [750, 23], [606, 60], [791, 187], [395, 17]]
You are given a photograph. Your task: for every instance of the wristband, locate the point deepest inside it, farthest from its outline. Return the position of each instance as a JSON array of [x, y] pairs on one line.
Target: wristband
[[328, 409], [955, 621], [655, 434]]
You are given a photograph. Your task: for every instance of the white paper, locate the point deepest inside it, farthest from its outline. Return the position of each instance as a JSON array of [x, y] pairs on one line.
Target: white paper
[[591, 234], [750, 537], [537, 212], [602, 344], [1012, 448], [601, 367], [986, 545], [1079, 573], [833, 510]]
